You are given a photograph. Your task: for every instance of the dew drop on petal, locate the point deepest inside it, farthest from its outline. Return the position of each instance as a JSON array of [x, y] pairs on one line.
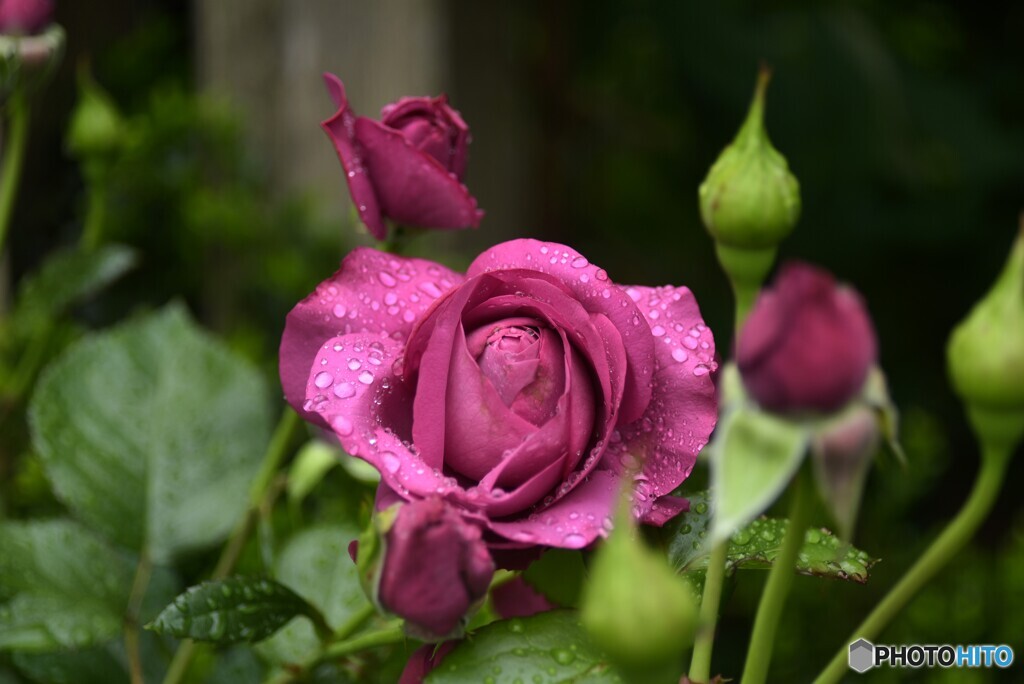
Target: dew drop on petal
[[340, 311], [574, 541], [323, 379], [366, 377], [386, 279], [580, 262], [701, 370], [344, 390], [354, 364], [408, 316], [689, 343], [391, 462], [342, 425], [657, 331], [679, 355]]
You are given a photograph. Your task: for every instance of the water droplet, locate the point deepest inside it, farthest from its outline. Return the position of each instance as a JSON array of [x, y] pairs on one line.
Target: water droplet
[[323, 379], [701, 508], [686, 529], [574, 540], [344, 390], [386, 279], [689, 343], [742, 537], [700, 370], [342, 425], [430, 288], [340, 311], [391, 462], [580, 262], [657, 331], [563, 656], [354, 364], [679, 355], [408, 316], [366, 377], [515, 626], [607, 294]]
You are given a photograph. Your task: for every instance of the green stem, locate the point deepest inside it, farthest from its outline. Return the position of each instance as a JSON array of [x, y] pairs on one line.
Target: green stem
[[357, 620], [700, 666], [143, 571], [392, 634], [96, 214], [13, 160], [759, 654], [746, 271], [261, 495], [986, 489]]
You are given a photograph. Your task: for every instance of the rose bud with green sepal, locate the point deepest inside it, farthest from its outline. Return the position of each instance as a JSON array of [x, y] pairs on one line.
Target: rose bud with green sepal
[[433, 568], [749, 201], [643, 626], [986, 356], [808, 344]]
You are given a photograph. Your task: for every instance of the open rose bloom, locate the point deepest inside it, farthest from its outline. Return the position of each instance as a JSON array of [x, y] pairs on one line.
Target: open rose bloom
[[520, 393]]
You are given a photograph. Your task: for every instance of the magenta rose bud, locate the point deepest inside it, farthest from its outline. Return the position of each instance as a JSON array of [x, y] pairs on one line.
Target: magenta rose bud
[[436, 567], [522, 392], [24, 17], [408, 166], [808, 343]]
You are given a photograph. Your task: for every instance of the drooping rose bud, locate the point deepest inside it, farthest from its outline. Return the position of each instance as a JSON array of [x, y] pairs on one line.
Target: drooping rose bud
[[96, 127], [842, 451], [985, 354], [435, 570], [808, 344], [408, 166], [24, 17], [750, 200]]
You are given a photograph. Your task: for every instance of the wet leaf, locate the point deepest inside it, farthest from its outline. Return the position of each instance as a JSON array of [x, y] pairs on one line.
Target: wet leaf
[[152, 432], [543, 649], [230, 610]]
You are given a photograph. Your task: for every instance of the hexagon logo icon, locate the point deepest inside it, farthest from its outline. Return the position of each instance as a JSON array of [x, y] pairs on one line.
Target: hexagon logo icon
[[862, 655]]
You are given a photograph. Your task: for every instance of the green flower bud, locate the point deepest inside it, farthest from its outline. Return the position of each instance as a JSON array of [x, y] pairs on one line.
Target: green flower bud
[[97, 127], [750, 200], [635, 607], [985, 354], [369, 553]]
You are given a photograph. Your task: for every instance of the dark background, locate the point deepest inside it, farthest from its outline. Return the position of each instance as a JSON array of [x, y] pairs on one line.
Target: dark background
[[904, 123]]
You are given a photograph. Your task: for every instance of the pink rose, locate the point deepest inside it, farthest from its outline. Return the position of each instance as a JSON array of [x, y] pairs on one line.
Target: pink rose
[[24, 16], [519, 393], [808, 343], [408, 166]]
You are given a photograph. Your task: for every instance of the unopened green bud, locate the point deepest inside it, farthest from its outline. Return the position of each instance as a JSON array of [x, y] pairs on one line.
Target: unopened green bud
[[635, 607], [985, 354], [97, 127], [750, 200], [369, 552]]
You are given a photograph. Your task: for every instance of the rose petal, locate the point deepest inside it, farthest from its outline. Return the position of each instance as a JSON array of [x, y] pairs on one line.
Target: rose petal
[[399, 114], [340, 128], [682, 412], [424, 660], [368, 408], [571, 523], [590, 285], [516, 598], [413, 188], [371, 292]]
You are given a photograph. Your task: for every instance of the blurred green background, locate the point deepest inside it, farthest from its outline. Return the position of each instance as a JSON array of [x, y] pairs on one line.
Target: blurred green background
[[593, 124]]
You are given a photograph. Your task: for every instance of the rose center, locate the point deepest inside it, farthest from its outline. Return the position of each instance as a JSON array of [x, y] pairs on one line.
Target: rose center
[[524, 364]]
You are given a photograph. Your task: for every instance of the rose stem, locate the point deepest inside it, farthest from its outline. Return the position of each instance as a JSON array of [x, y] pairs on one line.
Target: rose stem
[[994, 459], [261, 495], [700, 665], [13, 160], [759, 654]]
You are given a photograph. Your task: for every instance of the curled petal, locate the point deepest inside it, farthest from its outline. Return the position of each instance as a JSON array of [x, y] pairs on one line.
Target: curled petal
[[340, 128], [413, 188], [372, 292], [591, 287], [682, 411]]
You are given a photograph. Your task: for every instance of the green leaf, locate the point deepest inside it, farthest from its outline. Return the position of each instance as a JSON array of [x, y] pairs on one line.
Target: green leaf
[[67, 277], [152, 433], [545, 648], [753, 458], [230, 610], [756, 545], [559, 575], [316, 565], [68, 588], [95, 665], [314, 460]]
